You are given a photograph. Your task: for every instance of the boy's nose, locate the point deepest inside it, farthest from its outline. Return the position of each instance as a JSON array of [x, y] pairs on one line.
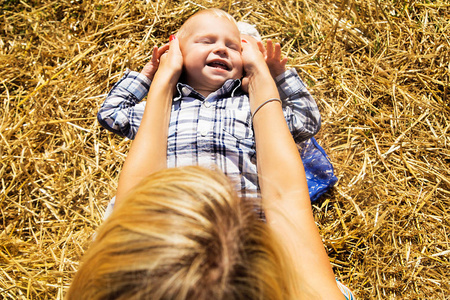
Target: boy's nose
[[220, 49]]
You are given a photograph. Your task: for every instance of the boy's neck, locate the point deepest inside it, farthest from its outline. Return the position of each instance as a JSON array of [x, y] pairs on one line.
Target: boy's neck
[[204, 93]]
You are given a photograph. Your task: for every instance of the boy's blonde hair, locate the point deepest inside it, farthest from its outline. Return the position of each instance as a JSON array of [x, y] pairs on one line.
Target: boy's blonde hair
[[184, 29], [182, 234]]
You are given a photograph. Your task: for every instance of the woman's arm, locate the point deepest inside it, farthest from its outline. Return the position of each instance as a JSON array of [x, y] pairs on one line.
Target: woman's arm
[[148, 152], [283, 185]]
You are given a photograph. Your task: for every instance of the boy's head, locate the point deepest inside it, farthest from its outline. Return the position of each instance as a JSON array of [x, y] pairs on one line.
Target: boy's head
[[211, 46]]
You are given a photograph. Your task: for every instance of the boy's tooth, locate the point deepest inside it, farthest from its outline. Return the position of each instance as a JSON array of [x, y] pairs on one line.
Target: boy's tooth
[[218, 65]]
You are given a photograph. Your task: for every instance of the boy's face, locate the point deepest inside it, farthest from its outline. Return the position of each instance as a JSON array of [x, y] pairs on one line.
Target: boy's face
[[211, 52]]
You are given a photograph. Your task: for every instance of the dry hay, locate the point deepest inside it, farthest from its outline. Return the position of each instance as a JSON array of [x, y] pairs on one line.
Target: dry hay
[[379, 71]]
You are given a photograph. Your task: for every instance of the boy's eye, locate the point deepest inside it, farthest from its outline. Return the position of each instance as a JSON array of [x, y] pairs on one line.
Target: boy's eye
[[205, 41], [235, 47]]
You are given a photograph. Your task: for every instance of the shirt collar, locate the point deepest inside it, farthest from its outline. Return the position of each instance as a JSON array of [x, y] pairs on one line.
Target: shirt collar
[[229, 88]]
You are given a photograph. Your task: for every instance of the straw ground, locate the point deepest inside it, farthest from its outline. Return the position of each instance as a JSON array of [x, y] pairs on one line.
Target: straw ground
[[379, 71]]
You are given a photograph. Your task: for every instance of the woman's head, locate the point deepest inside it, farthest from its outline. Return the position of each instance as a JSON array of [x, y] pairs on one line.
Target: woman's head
[[182, 234]]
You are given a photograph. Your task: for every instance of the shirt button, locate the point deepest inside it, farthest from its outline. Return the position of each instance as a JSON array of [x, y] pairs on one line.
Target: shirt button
[[204, 132], [207, 104]]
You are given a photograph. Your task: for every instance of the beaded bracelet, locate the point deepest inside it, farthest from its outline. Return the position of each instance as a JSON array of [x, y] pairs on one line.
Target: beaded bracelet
[[264, 103]]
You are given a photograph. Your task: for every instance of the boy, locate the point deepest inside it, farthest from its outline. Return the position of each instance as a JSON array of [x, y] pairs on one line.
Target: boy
[[210, 122]]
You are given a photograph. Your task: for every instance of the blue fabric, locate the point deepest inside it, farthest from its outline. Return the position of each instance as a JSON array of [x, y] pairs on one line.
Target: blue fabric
[[318, 168]]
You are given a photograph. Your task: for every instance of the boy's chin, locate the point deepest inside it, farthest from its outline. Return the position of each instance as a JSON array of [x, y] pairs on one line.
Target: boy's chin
[[218, 81], [212, 83], [222, 79]]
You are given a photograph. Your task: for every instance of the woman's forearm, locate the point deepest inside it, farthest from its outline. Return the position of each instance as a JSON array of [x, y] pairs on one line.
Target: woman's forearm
[[148, 152], [285, 194], [279, 166]]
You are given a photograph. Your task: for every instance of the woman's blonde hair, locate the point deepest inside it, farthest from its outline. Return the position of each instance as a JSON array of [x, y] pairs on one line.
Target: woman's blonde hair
[[182, 234]]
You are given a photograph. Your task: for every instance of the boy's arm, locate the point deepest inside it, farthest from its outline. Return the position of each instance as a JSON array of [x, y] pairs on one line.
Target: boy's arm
[[122, 110], [300, 109]]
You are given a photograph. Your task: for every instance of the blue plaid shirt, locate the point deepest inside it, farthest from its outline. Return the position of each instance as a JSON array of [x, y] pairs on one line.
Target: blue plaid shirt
[[215, 130]]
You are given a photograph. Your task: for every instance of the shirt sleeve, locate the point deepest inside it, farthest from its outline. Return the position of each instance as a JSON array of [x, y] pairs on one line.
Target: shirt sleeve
[[122, 110], [300, 110]]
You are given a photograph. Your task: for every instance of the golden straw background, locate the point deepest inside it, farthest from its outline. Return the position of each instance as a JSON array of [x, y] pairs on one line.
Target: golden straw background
[[378, 69]]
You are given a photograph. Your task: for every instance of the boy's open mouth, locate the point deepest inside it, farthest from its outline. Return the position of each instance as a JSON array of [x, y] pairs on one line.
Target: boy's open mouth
[[218, 65]]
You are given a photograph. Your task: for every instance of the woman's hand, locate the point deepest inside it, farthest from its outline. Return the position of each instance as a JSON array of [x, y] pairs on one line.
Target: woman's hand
[[171, 60], [271, 54], [252, 58], [161, 54], [252, 55], [151, 67]]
